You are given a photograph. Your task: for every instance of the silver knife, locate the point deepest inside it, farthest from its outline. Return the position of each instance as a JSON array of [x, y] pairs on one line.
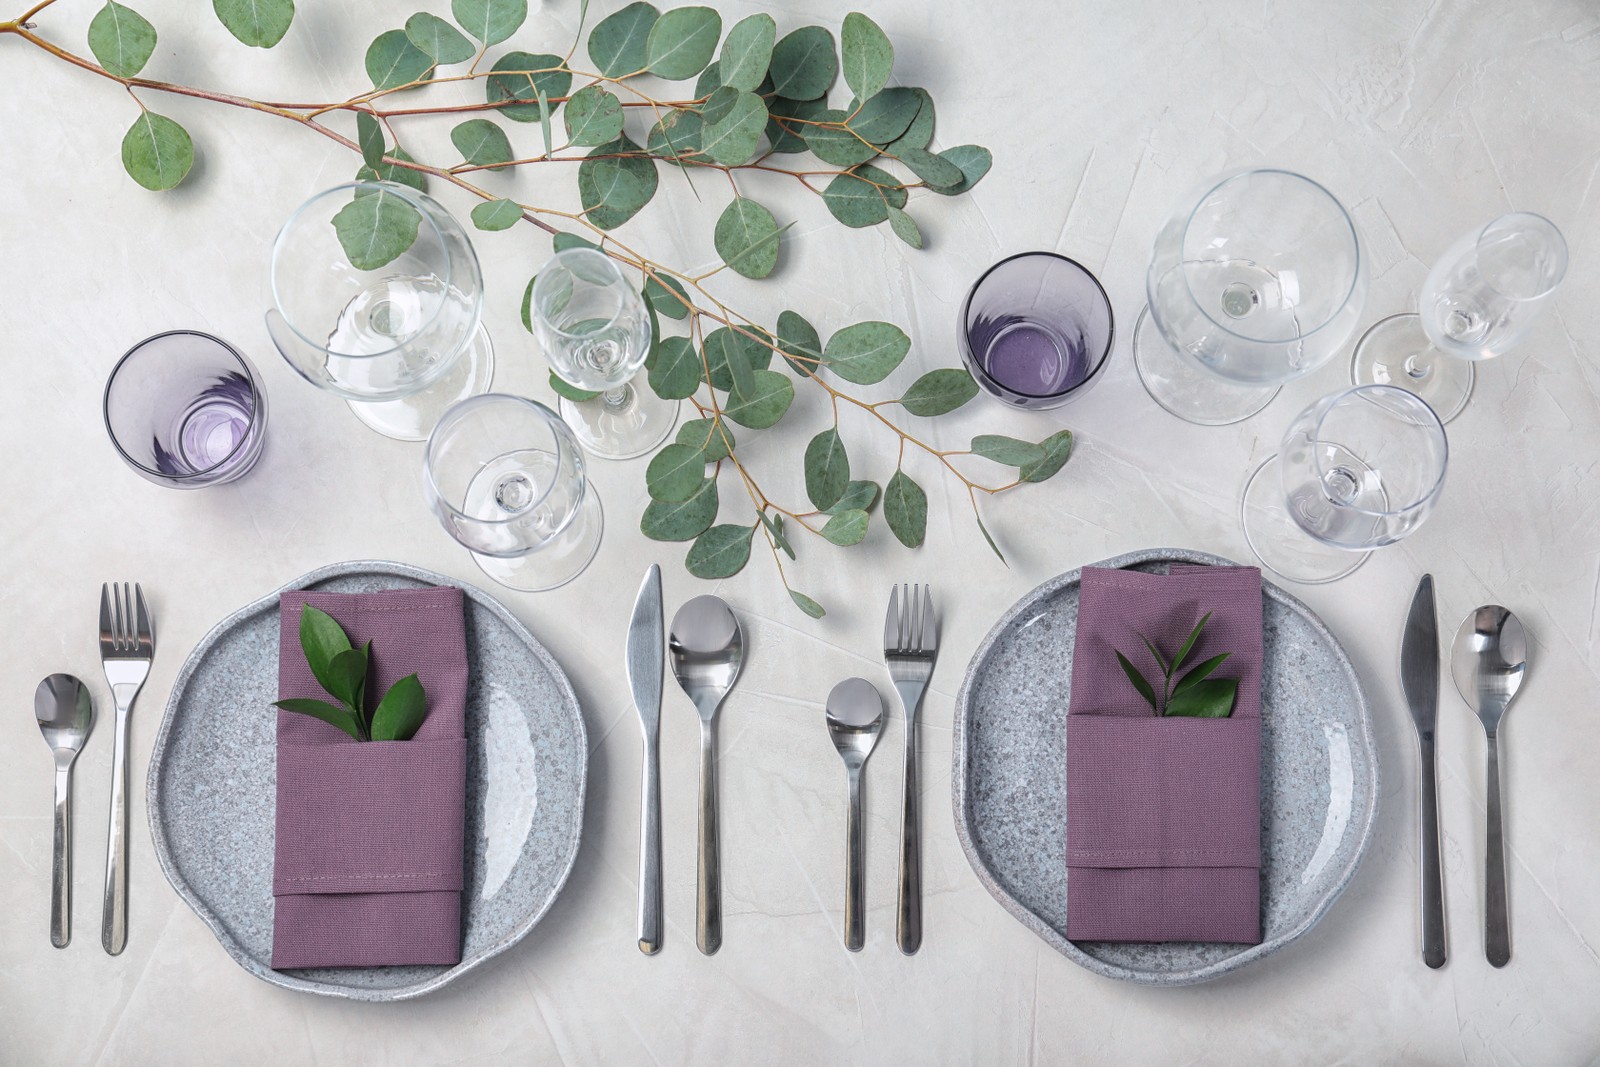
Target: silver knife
[[1419, 677], [646, 658]]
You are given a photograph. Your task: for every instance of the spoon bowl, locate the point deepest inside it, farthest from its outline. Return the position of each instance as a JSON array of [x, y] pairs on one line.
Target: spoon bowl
[[855, 718], [66, 715]]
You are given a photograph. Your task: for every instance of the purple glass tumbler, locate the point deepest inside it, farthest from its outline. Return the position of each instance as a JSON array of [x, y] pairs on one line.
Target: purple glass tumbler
[[186, 410], [1036, 330]]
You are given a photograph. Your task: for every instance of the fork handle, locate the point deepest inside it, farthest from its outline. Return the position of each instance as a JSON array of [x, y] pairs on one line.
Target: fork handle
[[61, 883], [114, 916], [908, 921]]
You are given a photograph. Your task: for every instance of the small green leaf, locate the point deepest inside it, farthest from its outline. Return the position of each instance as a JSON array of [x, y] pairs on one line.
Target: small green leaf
[[987, 536], [919, 133], [516, 80], [482, 143], [328, 713], [846, 528], [682, 42], [747, 52], [376, 228], [370, 136], [347, 677], [1200, 672], [857, 496], [619, 43], [867, 352], [676, 372], [806, 604], [676, 136], [544, 124], [1189, 642], [1057, 448], [667, 295], [1138, 681], [401, 711], [936, 172], [786, 123], [831, 141], [905, 227], [719, 104], [392, 61], [827, 468], [939, 392], [1006, 450], [774, 525], [563, 241], [764, 404], [905, 508], [710, 80], [321, 639], [1156, 655], [562, 387], [886, 116], [497, 214], [862, 197], [720, 552], [798, 340], [675, 473], [393, 172], [682, 520], [709, 436], [1210, 699], [734, 139], [974, 161], [804, 64], [257, 23], [157, 152], [613, 190], [730, 352], [868, 55], [121, 39], [747, 238], [440, 40], [490, 21], [593, 116]]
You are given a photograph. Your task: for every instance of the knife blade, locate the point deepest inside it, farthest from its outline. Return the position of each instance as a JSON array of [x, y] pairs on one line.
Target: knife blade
[[1419, 678], [646, 672]]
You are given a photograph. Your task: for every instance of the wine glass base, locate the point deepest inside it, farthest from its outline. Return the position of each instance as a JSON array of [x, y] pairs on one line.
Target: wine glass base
[[1279, 542], [556, 563], [624, 432], [1185, 389], [1396, 351], [411, 418]]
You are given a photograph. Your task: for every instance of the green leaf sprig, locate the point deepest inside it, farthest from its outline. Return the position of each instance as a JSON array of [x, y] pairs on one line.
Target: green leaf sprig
[[1196, 695], [341, 670]]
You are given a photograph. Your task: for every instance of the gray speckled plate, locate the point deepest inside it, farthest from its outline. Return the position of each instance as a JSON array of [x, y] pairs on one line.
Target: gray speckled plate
[[1319, 776], [213, 778]]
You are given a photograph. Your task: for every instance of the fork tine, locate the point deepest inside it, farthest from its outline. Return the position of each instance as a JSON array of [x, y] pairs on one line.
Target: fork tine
[[914, 624], [105, 613], [930, 634], [146, 634], [905, 617], [119, 616], [891, 621]]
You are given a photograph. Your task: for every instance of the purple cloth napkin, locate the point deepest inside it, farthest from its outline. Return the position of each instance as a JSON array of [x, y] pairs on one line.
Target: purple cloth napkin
[[1163, 814], [368, 862]]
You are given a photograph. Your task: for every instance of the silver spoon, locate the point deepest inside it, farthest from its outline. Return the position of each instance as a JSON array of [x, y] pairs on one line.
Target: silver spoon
[[66, 715], [707, 650], [1488, 661], [855, 717]]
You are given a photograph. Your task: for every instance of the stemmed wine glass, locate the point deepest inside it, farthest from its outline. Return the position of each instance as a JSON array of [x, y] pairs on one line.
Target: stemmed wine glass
[[378, 298], [1358, 470], [1256, 279], [596, 334], [505, 478], [1479, 300]]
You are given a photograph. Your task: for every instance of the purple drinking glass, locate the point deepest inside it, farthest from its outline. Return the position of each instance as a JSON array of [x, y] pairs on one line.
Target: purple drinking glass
[[186, 410], [1036, 330]]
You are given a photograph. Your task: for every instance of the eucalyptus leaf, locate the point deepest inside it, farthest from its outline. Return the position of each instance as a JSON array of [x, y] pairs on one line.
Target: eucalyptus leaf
[[806, 604], [827, 467], [561, 387], [804, 64], [677, 134], [939, 392], [516, 80], [831, 141], [369, 135], [905, 509], [613, 190], [682, 520], [392, 171], [710, 80], [1210, 699], [764, 404], [886, 116], [935, 171], [774, 525], [846, 528], [675, 473], [619, 43], [868, 56], [974, 161], [682, 42], [867, 352], [905, 227], [730, 352], [786, 122], [919, 133], [720, 552], [987, 536], [482, 143], [710, 436], [857, 496], [863, 197], [747, 52], [257, 23], [440, 40], [667, 295], [735, 138], [1006, 450], [677, 371], [592, 116], [321, 709], [490, 21], [801, 346], [747, 238], [1057, 449], [497, 214], [1139, 682], [392, 61], [719, 104], [157, 152], [401, 711], [121, 39], [564, 240], [376, 229]]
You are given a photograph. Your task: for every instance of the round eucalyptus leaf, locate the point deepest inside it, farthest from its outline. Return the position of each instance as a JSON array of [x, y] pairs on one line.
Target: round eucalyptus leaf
[[376, 228], [719, 103], [747, 238], [592, 116], [806, 604], [801, 346], [682, 520], [846, 528], [709, 436], [905, 227], [257, 23], [497, 214], [734, 139], [618, 43], [392, 61], [834, 142], [827, 468], [675, 473], [720, 552], [1057, 448], [677, 134], [905, 509], [667, 295], [868, 55], [867, 352], [920, 132], [482, 143], [937, 173], [490, 21], [121, 39], [974, 161], [521, 77], [393, 172], [440, 40], [855, 201], [675, 375], [157, 152], [886, 116], [614, 189], [682, 42], [369, 135], [860, 495], [1007, 450], [729, 353], [747, 52], [939, 392], [561, 387], [764, 404], [783, 131], [803, 64], [710, 80]]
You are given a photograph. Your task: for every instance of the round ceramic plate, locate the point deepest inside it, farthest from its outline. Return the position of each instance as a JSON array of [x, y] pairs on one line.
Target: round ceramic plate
[[213, 781], [1319, 776]]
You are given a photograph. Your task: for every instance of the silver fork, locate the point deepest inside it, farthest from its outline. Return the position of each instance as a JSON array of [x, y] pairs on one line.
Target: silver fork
[[127, 645], [910, 645]]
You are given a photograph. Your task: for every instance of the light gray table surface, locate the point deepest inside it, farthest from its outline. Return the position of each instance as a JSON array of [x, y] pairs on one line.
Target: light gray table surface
[[1426, 118]]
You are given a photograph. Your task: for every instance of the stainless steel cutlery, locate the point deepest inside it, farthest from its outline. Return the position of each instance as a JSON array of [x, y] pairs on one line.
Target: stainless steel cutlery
[[1419, 677], [127, 645], [910, 647], [855, 718], [645, 675], [66, 715]]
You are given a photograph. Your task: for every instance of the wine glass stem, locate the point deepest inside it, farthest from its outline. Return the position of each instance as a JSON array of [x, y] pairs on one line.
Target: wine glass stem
[[1418, 366], [618, 399]]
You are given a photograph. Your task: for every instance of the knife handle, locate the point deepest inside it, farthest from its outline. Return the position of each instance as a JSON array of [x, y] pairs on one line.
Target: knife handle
[[650, 851], [1434, 951]]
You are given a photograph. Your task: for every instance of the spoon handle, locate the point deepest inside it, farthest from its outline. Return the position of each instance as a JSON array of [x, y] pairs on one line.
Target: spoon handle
[[708, 900], [1433, 939], [650, 850], [855, 895], [1497, 925], [61, 883]]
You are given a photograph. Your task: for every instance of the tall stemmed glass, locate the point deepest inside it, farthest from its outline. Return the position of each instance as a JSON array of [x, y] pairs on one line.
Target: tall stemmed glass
[[505, 478], [1358, 470], [1478, 302], [378, 298], [595, 332], [1256, 279]]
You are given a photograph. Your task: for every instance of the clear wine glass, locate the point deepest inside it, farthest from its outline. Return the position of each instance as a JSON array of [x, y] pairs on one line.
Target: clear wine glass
[[1479, 301], [506, 479], [1255, 279], [1357, 470], [595, 332], [378, 298]]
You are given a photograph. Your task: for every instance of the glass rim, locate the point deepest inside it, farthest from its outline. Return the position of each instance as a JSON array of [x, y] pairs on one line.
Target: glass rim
[[255, 406], [1561, 240], [410, 196], [576, 253], [1406, 396], [460, 409], [1355, 241], [1105, 298]]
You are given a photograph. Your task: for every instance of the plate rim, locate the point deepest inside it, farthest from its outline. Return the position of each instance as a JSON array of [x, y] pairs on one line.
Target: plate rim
[[1048, 933], [213, 922]]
